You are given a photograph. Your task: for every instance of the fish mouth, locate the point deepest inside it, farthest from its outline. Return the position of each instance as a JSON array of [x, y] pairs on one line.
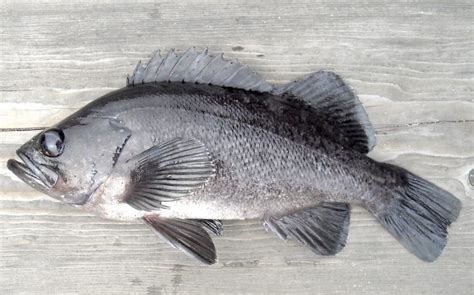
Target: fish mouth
[[37, 176]]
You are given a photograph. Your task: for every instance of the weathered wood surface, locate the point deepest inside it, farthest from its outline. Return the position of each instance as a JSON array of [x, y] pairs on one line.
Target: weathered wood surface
[[411, 63]]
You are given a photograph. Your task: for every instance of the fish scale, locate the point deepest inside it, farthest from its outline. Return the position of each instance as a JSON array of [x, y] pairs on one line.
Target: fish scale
[[277, 159]]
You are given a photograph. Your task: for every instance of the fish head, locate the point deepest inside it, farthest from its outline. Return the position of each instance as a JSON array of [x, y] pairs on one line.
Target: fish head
[[69, 161]]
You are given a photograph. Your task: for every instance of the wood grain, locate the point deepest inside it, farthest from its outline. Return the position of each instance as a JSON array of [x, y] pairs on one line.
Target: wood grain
[[410, 62]]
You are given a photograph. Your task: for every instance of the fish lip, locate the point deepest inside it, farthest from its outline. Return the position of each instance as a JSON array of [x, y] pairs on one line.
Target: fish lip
[[41, 178]]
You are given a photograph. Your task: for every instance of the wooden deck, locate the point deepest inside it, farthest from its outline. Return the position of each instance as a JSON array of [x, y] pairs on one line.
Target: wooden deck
[[411, 63]]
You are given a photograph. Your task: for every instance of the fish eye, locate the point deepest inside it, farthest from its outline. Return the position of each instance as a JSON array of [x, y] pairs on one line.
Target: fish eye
[[52, 142]]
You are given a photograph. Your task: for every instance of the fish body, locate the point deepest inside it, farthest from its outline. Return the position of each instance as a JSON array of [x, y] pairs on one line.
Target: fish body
[[267, 164], [195, 139]]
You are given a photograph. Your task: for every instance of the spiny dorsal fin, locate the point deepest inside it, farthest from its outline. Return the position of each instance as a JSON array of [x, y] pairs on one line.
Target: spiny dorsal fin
[[335, 102], [323, 229], [198, 67]]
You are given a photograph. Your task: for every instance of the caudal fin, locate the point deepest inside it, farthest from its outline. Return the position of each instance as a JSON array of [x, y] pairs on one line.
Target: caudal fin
[[419, 215]]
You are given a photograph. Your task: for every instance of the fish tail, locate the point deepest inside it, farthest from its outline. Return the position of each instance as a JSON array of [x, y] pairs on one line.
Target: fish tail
[[417, 214]]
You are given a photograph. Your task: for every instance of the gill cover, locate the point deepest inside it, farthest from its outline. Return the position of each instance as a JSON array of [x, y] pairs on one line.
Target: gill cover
[[80, 150]]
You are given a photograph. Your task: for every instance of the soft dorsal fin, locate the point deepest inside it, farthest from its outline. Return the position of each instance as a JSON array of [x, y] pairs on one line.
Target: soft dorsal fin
[[332, 99], [198, 67]]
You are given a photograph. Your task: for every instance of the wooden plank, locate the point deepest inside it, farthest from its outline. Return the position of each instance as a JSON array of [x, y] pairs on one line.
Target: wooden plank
[[411, 63]]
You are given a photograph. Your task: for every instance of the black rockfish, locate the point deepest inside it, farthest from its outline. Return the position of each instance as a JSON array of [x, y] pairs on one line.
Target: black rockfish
[[195, 139]]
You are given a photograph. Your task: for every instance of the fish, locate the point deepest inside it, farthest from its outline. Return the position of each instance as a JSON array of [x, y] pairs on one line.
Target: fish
[[195, 138]]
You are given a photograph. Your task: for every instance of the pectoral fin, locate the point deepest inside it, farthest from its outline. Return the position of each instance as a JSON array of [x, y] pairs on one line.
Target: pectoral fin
[[168, 172], [185, 235]]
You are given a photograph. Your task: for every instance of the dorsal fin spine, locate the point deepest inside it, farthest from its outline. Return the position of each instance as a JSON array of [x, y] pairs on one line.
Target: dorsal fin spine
[[198, 68]]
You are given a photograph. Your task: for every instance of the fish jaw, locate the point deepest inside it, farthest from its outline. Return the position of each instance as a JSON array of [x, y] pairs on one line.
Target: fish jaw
[[38, 176], [44, 179]]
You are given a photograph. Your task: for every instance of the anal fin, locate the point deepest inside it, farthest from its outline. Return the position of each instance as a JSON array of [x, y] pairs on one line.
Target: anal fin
[[323, 229]]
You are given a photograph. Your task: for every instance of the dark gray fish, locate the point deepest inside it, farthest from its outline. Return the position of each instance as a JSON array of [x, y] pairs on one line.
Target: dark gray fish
[[195, 139]]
